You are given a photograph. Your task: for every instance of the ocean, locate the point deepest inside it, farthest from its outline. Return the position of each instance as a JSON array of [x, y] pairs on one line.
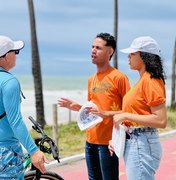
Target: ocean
[[55, 87]]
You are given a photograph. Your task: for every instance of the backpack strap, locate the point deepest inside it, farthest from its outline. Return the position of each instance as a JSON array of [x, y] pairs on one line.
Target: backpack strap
[[20, 87], [2, 115]]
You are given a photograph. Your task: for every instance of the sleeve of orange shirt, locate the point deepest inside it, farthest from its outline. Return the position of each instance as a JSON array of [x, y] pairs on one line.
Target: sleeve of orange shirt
[[154, 92]]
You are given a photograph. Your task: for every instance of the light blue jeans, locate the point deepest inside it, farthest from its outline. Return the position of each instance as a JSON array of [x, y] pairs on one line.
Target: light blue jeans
[[11, 162], [142, 154]]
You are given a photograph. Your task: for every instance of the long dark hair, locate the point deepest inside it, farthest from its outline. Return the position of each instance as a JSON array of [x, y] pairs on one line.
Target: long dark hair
[[154, 65]]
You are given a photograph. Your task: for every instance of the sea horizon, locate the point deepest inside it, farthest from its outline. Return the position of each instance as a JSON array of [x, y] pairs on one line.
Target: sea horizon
[[68, 82]]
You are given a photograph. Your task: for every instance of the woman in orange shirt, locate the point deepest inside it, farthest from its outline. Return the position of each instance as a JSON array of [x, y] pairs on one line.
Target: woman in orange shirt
[[143, 110]]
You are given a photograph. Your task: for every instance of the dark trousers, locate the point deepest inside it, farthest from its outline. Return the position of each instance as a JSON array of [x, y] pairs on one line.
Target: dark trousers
[[100, 165]]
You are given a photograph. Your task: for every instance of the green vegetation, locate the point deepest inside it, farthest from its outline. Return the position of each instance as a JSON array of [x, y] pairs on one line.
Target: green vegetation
[[72, 140]]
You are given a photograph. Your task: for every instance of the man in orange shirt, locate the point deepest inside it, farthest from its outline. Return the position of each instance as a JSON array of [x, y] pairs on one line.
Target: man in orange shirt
[[106, 89]]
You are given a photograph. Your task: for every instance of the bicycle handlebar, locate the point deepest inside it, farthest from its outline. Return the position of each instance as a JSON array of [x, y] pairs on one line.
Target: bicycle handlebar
[[37, 127], [54, 150]]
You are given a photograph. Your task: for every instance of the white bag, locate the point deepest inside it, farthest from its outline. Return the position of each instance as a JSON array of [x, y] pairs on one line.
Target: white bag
[[87, 120], [118, 140]]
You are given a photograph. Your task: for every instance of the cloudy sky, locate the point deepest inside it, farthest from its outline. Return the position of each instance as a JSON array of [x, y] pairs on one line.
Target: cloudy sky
[[66, 29]]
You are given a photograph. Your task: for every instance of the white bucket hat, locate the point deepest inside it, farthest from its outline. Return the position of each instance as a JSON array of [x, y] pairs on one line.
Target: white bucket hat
[[143, 44], [6, 45]]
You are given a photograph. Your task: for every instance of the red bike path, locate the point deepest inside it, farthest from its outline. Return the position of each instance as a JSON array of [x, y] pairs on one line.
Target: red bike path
[[76, 170]]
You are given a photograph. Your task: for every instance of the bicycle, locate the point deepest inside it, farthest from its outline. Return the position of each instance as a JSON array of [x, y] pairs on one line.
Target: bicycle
[[46, 145]]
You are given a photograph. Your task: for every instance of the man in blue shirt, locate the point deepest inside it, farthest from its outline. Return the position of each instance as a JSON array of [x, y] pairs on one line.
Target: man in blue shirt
[[13, 131]]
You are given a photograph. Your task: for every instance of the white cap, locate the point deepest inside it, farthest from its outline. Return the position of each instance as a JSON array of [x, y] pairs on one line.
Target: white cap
[[6, 45], [143, 44]]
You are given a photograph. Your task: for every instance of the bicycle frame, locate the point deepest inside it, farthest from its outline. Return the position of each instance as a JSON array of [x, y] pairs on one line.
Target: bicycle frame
[[27, 161], [41, 143]]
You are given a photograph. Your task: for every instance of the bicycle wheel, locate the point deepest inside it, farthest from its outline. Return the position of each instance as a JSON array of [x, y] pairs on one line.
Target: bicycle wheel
[[48, 175]]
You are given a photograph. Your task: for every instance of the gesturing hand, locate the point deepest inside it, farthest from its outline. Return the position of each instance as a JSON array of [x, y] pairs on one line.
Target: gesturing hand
[[67, 103]]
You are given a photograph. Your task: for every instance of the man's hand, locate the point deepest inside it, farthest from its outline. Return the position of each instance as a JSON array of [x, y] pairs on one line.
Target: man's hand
[[67, 103], [38, 160], [111, 148]]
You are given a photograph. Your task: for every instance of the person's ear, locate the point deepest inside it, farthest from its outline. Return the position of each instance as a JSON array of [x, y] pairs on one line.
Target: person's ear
[[111, 51]]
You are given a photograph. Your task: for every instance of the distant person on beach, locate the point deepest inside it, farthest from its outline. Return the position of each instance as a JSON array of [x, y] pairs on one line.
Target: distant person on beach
[[106, 88], [143, 110], [13, 131]]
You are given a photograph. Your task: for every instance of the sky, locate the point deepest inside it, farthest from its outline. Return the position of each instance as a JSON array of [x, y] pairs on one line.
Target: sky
[[67, 28]]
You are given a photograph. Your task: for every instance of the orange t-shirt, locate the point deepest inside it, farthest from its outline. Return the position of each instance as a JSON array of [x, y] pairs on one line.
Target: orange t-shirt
[[146, 93], [106, 90]]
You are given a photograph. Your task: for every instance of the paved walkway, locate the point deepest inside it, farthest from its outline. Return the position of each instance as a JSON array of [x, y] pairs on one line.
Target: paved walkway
[[76, 170]]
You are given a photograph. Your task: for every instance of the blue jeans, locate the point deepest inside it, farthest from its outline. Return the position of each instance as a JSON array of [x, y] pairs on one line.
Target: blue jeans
[[11, 162], [142, 154], [100, 165]]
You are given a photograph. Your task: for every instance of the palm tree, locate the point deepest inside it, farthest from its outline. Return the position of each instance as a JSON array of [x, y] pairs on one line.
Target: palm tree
[[36, 71], [116, 32], [173, 100]]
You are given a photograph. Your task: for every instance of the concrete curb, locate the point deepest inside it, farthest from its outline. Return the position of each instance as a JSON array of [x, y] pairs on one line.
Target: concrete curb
[[65, 160], [78, 157], [169, 133]]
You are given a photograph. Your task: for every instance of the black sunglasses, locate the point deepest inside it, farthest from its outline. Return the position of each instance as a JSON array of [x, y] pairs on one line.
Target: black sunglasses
[[16, 51]]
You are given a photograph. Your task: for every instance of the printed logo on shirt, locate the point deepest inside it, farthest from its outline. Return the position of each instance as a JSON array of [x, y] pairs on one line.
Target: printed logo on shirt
[[101, 87], [115, 107]]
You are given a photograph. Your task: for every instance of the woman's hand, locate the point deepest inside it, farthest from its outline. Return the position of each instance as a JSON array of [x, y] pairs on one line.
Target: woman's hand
[[119, 118]]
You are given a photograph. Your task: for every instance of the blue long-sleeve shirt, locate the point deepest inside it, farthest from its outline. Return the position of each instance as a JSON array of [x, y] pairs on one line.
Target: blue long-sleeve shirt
[[12, 126]]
